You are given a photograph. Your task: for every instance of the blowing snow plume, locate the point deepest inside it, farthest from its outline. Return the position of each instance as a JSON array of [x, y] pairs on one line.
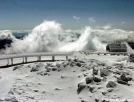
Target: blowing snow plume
[[50, 37], [43, 38], [85, 42], [6, 34]]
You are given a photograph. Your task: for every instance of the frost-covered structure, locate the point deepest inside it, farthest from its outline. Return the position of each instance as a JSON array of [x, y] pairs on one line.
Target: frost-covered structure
[[116, 47]]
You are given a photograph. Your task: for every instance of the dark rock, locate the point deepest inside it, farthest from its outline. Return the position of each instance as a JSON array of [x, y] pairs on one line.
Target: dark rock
[[124, 78], [96, 79], [39, 83], [11, 99], [73, 64], [11, 92], [129, 78], [85, 75], [58, 65], [81, 86], [109, 67], [43, 92], [60, 69], [110, 90], [126, 100], [64, 65], [62, 77], [100, 87], [83, 101], [122, 82], [15, 68], [16, 91], [102, 64], [117, 72], [76, 60], [126, 73], [43, 73], [96, 100], [104, 72], [29, 66], [38, 65], [48, 69], [105, 101], [49, 64], [131, 58], [35, 90], [34, 69], [54, 69], [68, 63], [111, 84], [83, 65], [104, 93], [119, 65], [95, 71], [83, 69], [88, 80], [78, 64], [30, 97], [57, 89], [81, 61], [69, 60], [91, 89]]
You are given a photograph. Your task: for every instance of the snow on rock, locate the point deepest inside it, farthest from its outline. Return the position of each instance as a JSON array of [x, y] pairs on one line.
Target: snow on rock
[[76, 80], [11, 99], [111, 84], [104, 72]]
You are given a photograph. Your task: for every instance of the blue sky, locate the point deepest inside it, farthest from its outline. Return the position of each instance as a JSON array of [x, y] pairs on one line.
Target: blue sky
[[72, 14]]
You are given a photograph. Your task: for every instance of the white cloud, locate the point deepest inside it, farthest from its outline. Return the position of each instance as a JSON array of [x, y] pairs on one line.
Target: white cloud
[[77, 18], [106, 27], [91, 19], [20, 31], [72, 31]]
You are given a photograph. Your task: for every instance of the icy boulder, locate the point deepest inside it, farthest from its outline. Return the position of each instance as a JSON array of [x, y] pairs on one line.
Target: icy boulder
[[131, 58], [111, 84]]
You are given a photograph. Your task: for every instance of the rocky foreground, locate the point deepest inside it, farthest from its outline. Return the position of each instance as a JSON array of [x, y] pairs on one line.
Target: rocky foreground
[[75, 80]]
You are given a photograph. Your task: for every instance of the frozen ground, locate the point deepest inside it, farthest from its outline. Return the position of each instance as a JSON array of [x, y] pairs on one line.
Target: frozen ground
[[70, 81]]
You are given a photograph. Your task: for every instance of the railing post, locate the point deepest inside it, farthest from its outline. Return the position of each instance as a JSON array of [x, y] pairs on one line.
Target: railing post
[[53, 58], [23, 60], [11, 61], [66, 58], [7, 61], [39, 58], [26, 59]]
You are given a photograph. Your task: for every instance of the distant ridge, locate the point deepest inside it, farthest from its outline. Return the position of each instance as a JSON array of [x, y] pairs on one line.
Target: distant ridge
[[4, 43], [131, 44]]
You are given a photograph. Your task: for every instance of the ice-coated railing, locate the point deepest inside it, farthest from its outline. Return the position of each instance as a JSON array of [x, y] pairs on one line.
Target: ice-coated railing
[[2, 57], [38, 55]]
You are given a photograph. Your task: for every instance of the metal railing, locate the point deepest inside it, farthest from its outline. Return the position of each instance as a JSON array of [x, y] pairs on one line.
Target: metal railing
[[11, 57]]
